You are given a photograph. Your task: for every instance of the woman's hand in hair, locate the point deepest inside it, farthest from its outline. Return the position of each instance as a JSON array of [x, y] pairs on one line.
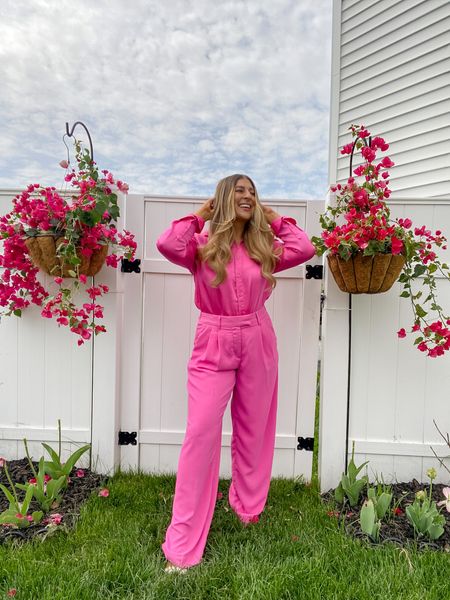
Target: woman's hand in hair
[[206, 210], [269, 213]]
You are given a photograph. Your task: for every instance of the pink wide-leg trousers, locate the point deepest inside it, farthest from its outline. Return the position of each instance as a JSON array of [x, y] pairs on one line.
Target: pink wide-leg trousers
[[232, 356]]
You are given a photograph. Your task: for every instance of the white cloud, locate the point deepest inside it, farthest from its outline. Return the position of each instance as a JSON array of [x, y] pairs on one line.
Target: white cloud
[[175, 94]]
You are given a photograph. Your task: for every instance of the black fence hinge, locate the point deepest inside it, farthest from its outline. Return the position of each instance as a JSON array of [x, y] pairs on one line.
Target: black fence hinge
[[314, 272], [130, 266], [127, 437], [305, 443]]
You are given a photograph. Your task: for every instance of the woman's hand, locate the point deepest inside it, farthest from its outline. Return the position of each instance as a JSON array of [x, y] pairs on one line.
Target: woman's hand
[[269, 213], [206, 210]]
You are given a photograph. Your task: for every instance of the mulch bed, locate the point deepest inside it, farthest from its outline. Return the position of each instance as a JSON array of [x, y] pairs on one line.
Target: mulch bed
[[394, 529], [76, 494]]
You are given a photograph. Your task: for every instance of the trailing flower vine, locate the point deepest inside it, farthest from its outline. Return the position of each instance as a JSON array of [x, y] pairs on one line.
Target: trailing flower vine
[[82, 225], [366, 227]]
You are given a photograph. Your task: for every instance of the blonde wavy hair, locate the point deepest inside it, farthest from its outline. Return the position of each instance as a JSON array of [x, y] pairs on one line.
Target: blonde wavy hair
[[258, 236]]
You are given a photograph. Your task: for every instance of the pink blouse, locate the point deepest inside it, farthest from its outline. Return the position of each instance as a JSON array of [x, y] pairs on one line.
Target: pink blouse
[[244, 290]]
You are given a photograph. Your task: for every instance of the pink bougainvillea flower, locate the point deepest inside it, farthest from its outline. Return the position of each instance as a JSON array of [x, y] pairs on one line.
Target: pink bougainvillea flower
[[401, 333], [396, 245], [446, 502], [64, 164], [104, 492], [55, 518], [79, 473]]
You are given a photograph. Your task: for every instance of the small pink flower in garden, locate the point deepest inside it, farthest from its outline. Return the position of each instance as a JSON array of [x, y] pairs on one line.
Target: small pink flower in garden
[[64, 164], [219, 495], [333, 513], [11, 593], [294, 538], [446, 502], [29, 518], [79, 473], [19, 515], [47, 478], [2, 462], [55, 518], [32, 481], [401, 333], [397, 511], [104, 492]]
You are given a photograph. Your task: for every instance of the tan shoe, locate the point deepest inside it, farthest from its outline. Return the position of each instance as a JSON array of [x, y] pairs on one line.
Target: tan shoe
[[171, 568]]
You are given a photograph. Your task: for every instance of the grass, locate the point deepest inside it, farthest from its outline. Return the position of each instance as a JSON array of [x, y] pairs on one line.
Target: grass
[[295, 552]]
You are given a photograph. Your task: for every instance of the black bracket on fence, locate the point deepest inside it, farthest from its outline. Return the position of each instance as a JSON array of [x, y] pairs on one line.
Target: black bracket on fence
[[305, 444], [314, 272], [131, 266], [127, 437]]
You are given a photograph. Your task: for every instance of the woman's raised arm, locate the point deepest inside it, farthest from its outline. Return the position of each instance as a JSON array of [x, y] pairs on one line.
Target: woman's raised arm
[[178, 243]]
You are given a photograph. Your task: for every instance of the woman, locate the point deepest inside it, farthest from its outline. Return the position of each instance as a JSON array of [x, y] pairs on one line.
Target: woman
[[234, 354]]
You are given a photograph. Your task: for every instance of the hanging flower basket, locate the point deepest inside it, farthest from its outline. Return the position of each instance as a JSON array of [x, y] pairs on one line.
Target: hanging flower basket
[[367, 250], [366, 274], [43, 254]]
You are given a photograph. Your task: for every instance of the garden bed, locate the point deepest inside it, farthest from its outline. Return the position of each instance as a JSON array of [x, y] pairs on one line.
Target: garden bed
[[396, 528], [76, 494]]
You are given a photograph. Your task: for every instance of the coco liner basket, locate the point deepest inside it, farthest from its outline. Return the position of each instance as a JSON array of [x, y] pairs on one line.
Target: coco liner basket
[[42, 249], [366, 274]]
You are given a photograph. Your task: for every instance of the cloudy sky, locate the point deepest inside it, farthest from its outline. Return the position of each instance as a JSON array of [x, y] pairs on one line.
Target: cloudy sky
[[176, 94]]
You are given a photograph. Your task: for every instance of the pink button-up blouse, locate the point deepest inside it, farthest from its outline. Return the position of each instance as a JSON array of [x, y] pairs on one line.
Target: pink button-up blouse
[[244, 290]]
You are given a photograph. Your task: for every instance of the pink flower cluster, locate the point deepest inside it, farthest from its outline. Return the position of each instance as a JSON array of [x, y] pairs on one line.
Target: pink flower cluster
[[86, 222], [362, 227]]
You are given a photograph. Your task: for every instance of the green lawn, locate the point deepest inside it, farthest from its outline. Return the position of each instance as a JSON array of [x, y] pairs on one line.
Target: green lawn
[[115, 553], [295, 551]]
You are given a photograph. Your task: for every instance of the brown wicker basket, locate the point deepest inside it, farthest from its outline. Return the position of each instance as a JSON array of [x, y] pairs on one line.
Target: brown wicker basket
[[366, 274], [42, 250]]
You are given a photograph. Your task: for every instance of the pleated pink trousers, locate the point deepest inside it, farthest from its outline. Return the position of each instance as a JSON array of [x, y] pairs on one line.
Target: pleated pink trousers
[[232, 357]]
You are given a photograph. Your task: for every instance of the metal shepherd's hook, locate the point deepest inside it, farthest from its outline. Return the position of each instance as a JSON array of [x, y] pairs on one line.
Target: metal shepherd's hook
[[353, 149], [70, 134]]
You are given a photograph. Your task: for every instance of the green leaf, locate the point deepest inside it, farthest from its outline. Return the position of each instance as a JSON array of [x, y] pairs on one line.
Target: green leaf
[[367, 517], [75, 456], [420, 311], [55, 457], [405, 295], [419, 270], [383, 504], [435, 531], [339, 494], [37, 515], [8, 494], [18, 312]]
